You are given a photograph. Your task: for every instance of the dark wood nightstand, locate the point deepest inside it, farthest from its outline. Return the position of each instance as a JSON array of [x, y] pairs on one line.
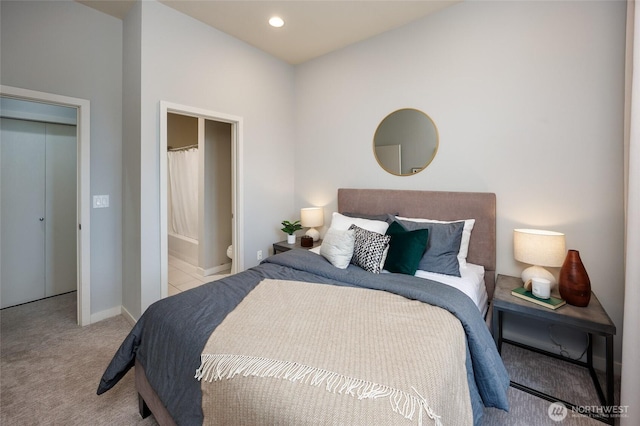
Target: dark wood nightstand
[[282, 246], [592, 319]]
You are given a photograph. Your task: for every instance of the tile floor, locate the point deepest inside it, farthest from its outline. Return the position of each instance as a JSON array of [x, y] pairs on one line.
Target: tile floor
[[184, 276]]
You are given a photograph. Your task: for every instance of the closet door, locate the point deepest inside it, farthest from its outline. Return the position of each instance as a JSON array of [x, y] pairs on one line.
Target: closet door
[[22, 211], [60, 209]]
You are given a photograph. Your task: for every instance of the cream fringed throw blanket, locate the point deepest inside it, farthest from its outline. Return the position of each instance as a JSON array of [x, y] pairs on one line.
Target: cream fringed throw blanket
[[300, 353]]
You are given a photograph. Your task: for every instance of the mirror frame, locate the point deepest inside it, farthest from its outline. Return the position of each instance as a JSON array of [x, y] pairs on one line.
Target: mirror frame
[[428, 161]]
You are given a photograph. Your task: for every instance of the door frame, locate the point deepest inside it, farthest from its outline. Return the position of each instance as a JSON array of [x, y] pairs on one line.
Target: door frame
[[83, 188], [237, 188]]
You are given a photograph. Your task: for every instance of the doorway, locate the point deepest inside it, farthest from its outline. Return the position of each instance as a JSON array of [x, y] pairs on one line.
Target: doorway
[[216, 142], [38, 179], [80, 176], [199, 193]]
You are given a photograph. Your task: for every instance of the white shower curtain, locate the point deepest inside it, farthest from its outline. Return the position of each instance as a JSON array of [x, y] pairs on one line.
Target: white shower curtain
[[183, 192]]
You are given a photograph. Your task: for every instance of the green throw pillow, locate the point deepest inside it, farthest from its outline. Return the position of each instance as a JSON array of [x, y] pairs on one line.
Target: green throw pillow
[[405, 249]]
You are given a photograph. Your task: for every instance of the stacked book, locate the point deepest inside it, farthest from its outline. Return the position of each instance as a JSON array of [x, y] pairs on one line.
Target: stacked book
[[551, 303]]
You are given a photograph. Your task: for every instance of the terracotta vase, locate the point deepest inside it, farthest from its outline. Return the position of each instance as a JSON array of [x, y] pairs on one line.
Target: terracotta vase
[[573, 282]]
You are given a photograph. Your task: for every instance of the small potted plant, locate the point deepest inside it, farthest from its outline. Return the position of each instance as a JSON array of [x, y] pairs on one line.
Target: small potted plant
[[290, 228]]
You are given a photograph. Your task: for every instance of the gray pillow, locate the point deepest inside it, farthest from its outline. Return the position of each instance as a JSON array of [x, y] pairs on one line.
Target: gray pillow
[[443, 246], [386, 217]]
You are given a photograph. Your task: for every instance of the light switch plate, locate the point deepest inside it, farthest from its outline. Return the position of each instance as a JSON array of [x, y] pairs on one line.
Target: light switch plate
[[100, 201]]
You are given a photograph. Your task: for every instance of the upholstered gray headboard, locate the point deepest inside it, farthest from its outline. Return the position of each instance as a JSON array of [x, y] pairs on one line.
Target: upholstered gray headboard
[[480, 206]]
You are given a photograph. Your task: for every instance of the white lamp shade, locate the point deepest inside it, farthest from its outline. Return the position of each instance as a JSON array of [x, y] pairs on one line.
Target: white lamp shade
[[540, 248], [311, 217]]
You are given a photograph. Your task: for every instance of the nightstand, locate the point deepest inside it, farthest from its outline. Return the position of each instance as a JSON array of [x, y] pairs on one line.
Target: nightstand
[[282, 246], [592, 319]]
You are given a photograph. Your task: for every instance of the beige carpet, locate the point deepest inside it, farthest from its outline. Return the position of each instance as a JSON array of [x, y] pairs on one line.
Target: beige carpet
[[50, 369]]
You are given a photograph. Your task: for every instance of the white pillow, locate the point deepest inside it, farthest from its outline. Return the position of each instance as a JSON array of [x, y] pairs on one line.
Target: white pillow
[[466, 235], [342, 223], [337, 247]]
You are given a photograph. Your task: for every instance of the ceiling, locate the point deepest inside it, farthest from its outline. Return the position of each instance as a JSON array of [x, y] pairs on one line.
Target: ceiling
[[312, 28]]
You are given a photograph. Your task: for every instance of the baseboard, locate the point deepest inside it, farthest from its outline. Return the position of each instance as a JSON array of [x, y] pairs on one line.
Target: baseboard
[[103, 315], [130, 318], [214, 270], [113, 312]]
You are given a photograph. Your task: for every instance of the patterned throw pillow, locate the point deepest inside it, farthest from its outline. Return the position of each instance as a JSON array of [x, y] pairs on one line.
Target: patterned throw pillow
[[369, 249]]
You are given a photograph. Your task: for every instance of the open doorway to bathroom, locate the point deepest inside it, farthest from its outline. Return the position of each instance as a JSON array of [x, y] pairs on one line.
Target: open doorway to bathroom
[[198, 200], [200, 153]]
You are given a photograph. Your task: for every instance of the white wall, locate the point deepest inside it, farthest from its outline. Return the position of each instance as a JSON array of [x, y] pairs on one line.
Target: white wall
[[527, 98], [215, 216], [528, 101], [69, 49], [186, 62], [27, 110], [131, 154]]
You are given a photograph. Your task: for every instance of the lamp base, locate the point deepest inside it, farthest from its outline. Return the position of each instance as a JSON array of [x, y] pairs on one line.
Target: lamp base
[[537, 272], [313, 233]]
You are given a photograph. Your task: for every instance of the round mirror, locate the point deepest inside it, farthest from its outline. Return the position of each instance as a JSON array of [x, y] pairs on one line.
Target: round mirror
[[405, 142]]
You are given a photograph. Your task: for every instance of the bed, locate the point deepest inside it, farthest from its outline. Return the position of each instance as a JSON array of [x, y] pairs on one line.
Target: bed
[[298, 340]]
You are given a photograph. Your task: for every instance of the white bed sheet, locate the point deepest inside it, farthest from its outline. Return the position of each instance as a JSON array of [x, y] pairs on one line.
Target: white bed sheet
[[470, 282]]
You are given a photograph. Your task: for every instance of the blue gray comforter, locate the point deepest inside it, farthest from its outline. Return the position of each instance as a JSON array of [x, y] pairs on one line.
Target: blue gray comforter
[[169, 337]]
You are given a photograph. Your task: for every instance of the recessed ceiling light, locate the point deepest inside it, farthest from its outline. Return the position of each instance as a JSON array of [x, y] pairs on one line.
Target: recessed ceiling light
[[276, 21]]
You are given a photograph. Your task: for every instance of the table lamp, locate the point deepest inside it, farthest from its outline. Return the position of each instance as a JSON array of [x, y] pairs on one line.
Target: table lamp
[[312, 217], [539, 248]]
